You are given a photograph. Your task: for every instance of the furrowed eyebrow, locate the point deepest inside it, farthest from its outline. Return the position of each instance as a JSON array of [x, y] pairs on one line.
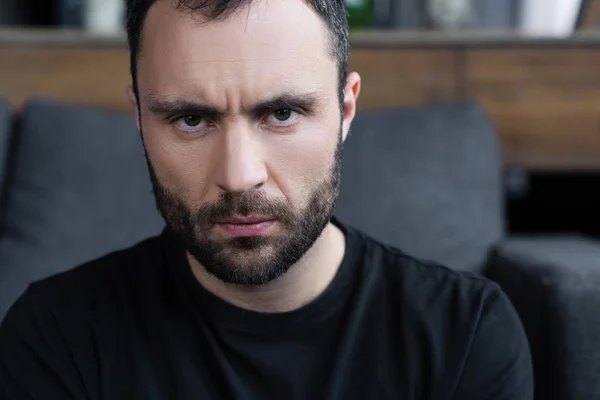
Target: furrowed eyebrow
[[181, 107], [307, 102], [167, 106]]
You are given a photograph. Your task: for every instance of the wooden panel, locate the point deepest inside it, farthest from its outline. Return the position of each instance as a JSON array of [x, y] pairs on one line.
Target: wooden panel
[[100, 76], [403, 77], [96, 77], [544, 102]]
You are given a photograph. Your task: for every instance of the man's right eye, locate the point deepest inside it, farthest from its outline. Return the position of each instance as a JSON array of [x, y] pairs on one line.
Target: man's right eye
[[191, 123]]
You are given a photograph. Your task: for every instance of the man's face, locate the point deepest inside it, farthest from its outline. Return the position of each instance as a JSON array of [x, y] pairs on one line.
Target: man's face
[[242, 128]]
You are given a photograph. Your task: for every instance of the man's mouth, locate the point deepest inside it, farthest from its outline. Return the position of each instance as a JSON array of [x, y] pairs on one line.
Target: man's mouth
[[253, 219], [246, 226]]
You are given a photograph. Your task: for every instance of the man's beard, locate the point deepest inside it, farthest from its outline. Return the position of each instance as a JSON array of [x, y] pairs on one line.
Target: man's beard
[[254, 260]]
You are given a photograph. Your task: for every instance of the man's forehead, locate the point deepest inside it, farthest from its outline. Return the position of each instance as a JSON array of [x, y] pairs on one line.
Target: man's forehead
[[254, 54], [283, 24]]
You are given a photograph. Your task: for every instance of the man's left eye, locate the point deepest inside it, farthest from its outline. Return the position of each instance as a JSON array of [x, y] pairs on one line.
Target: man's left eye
[[283, 115]]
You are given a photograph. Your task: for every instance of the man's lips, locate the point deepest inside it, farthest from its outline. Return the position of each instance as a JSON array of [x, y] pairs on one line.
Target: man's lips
[[245, 220], [246, 226]]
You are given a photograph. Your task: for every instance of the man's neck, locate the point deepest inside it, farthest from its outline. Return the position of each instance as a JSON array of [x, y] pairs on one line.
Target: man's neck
[[304, 282]]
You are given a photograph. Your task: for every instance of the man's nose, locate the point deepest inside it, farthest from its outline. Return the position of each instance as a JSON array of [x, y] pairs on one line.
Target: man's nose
[[241, 164]]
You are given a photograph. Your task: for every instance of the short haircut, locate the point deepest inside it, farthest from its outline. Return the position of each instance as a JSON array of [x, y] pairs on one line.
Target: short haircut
[[333, 13]]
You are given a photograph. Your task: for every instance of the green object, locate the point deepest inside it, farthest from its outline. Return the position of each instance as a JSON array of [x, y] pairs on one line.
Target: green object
[[361, 13]]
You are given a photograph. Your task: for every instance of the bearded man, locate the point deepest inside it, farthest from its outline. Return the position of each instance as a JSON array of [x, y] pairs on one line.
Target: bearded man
[[254, 290]]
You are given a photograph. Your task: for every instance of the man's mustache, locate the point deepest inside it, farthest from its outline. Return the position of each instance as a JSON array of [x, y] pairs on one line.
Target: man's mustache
[[244, 204]]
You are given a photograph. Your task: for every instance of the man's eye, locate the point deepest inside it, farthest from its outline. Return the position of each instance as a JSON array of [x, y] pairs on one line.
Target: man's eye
[[191, 122], [283, 116]]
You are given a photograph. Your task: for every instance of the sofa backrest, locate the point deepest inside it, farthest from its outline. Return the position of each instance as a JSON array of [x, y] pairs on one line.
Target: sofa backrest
[[426, 179], [79, 188], [6, 124]]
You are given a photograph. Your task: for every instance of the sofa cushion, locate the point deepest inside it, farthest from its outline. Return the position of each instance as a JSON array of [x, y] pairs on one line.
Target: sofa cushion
[[80, 189], [426, 179], [6, 122], [553, 283]]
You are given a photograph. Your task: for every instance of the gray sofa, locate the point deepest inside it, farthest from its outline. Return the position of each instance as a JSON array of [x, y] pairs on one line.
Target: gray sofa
[[427, 179]]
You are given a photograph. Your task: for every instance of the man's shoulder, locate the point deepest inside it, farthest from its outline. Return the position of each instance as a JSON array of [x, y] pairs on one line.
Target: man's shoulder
[[457, 314], [433, 290], [419, 276], [425, 291], [99, 278]]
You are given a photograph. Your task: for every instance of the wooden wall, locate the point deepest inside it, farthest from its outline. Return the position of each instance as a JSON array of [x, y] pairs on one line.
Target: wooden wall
[[542, 95], [545, 102]]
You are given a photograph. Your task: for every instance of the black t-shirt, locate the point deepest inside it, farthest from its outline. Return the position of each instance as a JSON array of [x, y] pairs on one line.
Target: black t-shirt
[[136, 324]]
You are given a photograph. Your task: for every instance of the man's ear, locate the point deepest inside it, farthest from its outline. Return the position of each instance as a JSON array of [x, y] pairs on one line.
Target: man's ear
[[134, 103], [351, 92]]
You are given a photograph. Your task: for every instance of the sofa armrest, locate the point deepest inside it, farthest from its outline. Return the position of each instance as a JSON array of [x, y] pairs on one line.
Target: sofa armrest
[[554, 284]]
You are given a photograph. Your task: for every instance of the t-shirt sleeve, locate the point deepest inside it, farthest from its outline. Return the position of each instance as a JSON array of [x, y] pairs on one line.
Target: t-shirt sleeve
[[34, 358], [498, 365]]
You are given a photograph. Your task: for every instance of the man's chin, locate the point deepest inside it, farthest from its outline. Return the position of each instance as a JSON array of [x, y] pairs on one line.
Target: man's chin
[[247, 272], [244, 266], [245, 255]]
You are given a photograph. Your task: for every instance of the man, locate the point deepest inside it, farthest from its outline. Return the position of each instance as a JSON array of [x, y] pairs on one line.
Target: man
[[254, 291]]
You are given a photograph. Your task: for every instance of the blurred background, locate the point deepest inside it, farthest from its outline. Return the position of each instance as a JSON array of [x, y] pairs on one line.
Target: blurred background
[[532, 64], [540, 17]]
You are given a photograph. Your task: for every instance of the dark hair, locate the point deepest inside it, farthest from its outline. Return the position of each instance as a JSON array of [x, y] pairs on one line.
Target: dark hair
[[333, 13]]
